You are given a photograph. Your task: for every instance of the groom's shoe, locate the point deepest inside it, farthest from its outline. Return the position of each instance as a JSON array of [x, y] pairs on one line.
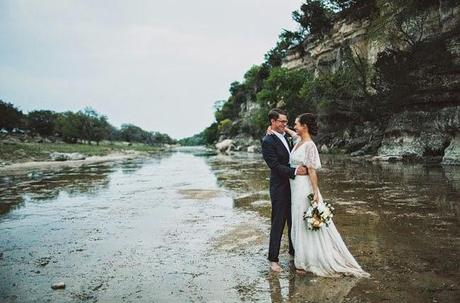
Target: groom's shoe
[[274, 266]]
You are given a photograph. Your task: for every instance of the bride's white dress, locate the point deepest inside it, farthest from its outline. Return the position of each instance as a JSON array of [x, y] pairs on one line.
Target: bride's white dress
[[321, 252]]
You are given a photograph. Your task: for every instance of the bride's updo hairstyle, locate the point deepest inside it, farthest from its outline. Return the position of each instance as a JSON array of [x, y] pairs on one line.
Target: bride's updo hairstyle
[[309, 120]]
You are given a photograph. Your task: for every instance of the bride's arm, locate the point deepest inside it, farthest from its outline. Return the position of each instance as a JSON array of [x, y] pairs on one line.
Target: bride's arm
[[314, 182], [291, 133], [313, 163]]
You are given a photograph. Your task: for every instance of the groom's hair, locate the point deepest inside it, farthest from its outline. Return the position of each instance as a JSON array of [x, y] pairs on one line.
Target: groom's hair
[[275, 114]]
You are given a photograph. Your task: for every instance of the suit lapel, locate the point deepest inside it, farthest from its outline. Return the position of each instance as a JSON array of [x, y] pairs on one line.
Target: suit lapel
[[282, 144], [289, 141]]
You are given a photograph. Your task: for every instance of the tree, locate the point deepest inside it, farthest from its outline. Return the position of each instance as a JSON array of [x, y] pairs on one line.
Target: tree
[[286, 40], [42, 122], [113, 134], [314, 17], [92, 126], [101, 129], [195, 140], [68, 127], [282, 89], [354, 8], [210, 134], [10, 116], [230, 109], [159, 138], [403, 21], [132, 133]]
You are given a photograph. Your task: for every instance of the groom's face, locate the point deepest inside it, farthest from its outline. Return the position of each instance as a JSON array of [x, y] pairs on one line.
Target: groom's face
[[279, 124]]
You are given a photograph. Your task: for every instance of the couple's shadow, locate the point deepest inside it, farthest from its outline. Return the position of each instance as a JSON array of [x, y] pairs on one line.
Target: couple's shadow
[[292, 287]]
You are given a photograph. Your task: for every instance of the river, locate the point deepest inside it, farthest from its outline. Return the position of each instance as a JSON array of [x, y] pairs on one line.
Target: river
[[192, 226]]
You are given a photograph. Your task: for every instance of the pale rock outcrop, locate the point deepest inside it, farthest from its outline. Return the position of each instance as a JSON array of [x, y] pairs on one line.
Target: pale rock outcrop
[[225, 146], [56, 156]]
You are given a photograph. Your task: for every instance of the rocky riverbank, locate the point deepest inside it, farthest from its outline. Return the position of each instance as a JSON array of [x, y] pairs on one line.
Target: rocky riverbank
[[20, 168], [22, 153], [410, 136]]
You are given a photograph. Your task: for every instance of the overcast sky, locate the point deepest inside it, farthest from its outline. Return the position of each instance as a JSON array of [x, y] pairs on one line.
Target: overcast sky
[[160, 65]]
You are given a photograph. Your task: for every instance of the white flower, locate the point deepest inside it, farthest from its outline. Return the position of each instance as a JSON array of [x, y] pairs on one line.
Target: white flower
[[321, 207]]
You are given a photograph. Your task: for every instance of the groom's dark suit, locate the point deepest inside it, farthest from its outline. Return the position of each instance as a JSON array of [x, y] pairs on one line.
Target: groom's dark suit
[[277, 158]]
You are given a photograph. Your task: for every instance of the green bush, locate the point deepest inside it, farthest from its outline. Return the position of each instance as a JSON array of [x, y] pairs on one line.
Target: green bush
[[10, 116]]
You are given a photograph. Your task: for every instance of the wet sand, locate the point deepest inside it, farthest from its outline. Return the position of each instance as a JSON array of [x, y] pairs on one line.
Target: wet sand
[[193, 227]]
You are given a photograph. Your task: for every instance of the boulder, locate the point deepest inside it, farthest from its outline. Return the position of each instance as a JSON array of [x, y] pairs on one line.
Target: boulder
[[452, 152], [357, 153], [422, 134], [225, 146], [59, 285], [55, 156], [253, 149]]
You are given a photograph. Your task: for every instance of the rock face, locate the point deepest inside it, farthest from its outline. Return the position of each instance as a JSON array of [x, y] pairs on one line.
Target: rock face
[[326, 54], [429, 126], [415, 135]]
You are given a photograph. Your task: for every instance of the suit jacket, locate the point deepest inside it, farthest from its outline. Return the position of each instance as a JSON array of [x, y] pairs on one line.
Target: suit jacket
[[277, 158]]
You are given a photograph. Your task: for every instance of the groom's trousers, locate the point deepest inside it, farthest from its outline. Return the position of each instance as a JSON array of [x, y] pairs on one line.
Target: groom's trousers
[[280, 195]]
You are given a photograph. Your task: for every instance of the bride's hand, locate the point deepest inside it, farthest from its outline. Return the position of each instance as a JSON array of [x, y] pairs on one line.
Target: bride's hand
[[269, 131], [290, 132], [315, 198]]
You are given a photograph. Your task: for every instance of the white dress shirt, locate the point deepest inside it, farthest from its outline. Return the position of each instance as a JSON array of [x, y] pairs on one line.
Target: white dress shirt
[[283, 139]]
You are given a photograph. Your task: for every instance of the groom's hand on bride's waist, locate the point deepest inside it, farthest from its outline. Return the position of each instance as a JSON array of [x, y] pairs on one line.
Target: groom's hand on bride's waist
[[301, 170]]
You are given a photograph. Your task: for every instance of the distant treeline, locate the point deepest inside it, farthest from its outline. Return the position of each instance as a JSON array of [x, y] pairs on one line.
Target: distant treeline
[[84, 126]]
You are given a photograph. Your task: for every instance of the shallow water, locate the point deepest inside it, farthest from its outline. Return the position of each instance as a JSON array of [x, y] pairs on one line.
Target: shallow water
[[190, 226]]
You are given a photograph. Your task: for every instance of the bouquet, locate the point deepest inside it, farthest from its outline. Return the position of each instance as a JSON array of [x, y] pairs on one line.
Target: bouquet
[[318, 214]]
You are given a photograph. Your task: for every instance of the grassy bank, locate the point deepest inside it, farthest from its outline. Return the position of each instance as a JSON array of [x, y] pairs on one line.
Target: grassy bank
[[24, 152]]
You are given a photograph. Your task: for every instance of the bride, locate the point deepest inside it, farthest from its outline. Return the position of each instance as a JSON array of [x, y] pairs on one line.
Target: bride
[[321, 252]]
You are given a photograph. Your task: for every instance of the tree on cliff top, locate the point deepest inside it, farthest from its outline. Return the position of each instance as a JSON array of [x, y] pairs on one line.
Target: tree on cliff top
[[314, 17], [286, 40]]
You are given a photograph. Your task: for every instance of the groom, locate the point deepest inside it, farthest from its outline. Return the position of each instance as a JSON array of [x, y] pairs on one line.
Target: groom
[[276, 151]]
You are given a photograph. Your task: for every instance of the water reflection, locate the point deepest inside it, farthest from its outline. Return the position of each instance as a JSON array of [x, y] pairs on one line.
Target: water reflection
[[352, 182], [47, 185], [394, 217], [307, 288]]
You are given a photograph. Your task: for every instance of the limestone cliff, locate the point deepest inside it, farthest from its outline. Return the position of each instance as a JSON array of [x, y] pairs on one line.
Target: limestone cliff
[[429, 124]]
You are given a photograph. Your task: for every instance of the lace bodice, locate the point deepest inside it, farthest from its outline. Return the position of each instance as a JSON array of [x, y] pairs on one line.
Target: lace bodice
[[305, 154]]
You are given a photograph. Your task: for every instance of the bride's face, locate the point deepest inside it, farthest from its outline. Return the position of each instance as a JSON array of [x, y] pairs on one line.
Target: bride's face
[[299, 128]]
